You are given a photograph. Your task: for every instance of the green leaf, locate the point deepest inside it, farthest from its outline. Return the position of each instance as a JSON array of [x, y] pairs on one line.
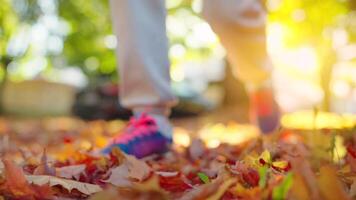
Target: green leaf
[[262, 172], [203, 177], [280, 192]]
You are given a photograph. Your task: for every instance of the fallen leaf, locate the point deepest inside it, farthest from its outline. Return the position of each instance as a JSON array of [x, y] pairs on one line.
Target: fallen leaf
[[44, 168], [247, 193], [108, 194], [137, 169], [203, 177], [120, 177], [352, 191], [84, 188], [15, 179], [130, 170], [166, 174], [70, 172], [299, 189], [211, 191], [330, 185], [147, 190], [1, 167]]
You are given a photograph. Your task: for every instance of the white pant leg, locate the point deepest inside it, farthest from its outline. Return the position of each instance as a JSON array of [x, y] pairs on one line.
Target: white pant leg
[[143, 55], [242, 35]]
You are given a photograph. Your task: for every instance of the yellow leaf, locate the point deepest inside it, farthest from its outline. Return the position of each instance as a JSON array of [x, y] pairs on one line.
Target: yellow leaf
[[280, 164], [266, 156]]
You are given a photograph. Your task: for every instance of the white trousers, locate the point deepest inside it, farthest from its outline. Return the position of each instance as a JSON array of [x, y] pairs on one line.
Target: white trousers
[[143, 47]]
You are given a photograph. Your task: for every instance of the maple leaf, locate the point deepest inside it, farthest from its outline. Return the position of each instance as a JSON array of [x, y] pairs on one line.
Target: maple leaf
[[69, 185], [15, 179], [131, 169]]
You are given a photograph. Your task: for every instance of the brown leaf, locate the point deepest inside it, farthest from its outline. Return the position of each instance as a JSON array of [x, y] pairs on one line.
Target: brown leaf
[[299, 189], [108, 194], [352, 191], [1, 167], [131, 169], [330, 185], [212, 191], [84, 188], [147, 190], [120, 176], [70, 172]]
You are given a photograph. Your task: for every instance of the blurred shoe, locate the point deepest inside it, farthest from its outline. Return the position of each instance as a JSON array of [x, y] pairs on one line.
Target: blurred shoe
[[143, 136], [264, 111]]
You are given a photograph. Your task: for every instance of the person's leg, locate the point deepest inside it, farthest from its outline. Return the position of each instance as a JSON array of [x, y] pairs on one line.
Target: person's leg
[[240, 25], [143, 67]]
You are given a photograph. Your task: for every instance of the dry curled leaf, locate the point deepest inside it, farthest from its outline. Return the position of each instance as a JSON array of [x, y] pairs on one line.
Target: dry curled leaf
[[70, 172], [44, 168], [212, 191], [84, 188], [131, 169]]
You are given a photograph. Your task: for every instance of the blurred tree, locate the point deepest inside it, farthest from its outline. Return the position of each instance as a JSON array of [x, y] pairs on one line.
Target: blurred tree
[[90, 43], [312, 22]]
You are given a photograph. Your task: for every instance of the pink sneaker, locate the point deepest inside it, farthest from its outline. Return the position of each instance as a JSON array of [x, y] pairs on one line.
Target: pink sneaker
[[140, 138]]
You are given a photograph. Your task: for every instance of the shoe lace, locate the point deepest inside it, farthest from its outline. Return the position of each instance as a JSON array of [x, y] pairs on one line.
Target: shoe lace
[[142, 122]]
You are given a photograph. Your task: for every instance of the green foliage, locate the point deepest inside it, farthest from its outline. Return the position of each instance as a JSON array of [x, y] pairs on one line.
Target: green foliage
[[280, 192], [262, 172], [90, 24]]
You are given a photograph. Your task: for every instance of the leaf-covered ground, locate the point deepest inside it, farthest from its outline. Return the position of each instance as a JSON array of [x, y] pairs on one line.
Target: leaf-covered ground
[[59, 159]]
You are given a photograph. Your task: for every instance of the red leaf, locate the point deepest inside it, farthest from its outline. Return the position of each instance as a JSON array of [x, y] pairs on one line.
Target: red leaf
[[16, 182], [173, 183], [251, 177]]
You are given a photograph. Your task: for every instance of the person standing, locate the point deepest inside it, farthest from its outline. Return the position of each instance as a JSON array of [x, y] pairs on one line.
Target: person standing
[[140, 27]]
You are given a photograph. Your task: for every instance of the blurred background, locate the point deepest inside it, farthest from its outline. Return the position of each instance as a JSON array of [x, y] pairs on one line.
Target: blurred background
[[57, 58]]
